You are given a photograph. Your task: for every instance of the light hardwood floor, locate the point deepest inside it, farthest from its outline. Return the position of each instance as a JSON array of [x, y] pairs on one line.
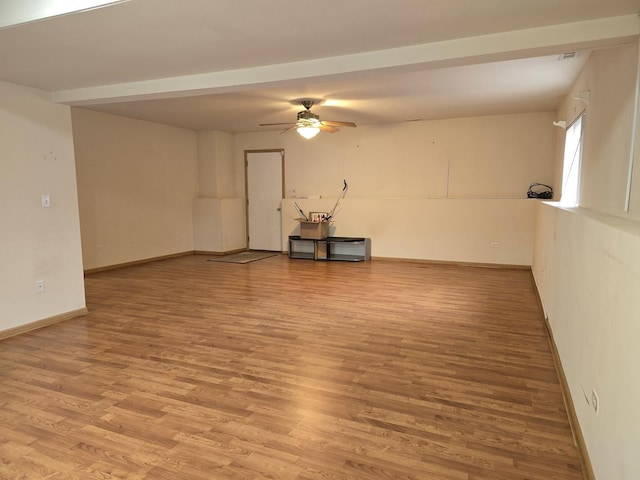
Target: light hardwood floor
[[186, 369]]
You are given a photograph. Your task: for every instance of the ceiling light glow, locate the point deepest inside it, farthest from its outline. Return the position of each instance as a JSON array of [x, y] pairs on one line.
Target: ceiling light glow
[[308, 132]]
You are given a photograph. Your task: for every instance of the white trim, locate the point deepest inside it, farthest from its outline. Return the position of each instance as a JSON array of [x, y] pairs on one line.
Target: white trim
[[634, 133]]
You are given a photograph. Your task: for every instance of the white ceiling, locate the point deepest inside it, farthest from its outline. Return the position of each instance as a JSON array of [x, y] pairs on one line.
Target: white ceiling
[[230, 65]]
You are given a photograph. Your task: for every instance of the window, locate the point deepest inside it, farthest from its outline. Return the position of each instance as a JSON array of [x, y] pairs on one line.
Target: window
[[571, 165]]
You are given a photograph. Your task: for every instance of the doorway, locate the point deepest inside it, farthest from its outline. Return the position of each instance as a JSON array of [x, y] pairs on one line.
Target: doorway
[[264, 177]]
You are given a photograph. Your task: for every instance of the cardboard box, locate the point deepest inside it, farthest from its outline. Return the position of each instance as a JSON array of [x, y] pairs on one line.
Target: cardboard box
[[314, 230]]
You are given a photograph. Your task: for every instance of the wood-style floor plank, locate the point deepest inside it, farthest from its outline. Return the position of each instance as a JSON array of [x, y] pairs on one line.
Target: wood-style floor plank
[[289, 369]]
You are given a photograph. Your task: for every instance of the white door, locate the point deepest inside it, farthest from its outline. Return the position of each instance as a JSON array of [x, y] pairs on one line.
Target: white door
[[264, 200]]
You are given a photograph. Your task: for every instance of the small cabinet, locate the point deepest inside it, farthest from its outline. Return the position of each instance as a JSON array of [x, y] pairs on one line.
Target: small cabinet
[[350, 249]]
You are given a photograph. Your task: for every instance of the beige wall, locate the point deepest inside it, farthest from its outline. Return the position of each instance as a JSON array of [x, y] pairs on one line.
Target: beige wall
[[440, 190], [488, 157], [587, 268], [496, 231], [218, 211], [218, 225], [609, 78], [136, 184], [215, 165], [36, 158]]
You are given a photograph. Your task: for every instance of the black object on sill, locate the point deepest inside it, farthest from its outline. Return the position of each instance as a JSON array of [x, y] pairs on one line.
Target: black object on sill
[[540, 190]]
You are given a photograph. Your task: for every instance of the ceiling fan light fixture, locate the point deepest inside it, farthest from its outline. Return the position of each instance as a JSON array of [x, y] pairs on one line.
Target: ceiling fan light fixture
[[308, 124], [308, 132]]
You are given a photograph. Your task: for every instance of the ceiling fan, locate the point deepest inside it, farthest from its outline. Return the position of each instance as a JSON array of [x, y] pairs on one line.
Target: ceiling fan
[[309, 124]]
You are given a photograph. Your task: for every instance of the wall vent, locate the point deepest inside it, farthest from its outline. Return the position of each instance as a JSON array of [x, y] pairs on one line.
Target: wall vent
[[567, 56]]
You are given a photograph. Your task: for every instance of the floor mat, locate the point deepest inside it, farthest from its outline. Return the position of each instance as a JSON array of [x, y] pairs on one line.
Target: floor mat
[[243, 257]]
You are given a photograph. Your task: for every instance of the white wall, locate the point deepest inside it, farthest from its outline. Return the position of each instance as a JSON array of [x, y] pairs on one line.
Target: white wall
[[439, 190], [37, 158], [587, 268], [136, 184]]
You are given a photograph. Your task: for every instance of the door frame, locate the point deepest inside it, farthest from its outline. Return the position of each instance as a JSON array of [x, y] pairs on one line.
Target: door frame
[[246, 186]]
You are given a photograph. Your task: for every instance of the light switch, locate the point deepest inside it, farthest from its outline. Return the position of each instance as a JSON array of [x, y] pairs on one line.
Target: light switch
[[46, 201]]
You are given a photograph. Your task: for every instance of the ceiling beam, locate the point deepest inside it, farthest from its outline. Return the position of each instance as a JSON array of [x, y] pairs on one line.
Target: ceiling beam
[[464, 51]]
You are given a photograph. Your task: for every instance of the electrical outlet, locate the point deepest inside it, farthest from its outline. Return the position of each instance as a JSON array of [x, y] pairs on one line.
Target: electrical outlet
[[46, 201], [39, 286], [595, 400]]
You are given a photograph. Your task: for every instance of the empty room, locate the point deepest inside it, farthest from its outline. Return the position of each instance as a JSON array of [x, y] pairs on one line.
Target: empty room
[[287, 240]]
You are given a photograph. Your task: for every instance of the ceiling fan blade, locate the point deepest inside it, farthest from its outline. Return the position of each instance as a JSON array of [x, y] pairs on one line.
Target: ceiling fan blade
[[289, 129], [328, 128], [272, 124], [334, 123]]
